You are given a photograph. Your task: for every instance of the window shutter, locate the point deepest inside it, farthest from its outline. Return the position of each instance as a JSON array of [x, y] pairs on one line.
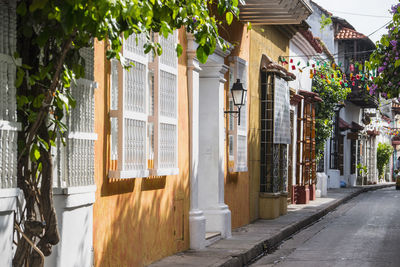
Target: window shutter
[[131, 112], [165, 120], [8, 107], [239, 132]]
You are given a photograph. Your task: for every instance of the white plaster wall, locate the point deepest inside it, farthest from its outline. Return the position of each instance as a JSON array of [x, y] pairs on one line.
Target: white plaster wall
[[75, 223], [350, 113], [298, 47], [327, 34]]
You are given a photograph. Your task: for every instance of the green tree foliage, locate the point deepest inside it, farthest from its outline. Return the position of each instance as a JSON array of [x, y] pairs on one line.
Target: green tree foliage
[[50, 35], [325, 21], [327, 83], [386, 59], [384, 152]]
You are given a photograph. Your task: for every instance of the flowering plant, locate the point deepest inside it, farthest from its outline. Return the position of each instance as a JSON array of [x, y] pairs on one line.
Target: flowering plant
[[386, 59]]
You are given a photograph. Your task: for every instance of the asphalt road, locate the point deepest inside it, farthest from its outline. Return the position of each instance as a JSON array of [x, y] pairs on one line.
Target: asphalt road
[[363, 232]]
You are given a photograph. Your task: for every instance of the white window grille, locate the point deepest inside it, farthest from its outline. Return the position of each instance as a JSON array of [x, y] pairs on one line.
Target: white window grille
[[144, 111], [238, 133], [75, 161], [8, 109]]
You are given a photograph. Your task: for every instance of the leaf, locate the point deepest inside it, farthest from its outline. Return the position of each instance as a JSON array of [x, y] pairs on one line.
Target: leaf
[[397, 63], [201, 55], [179, 50], [229, 17], [37, 4], [22, 100], [21, 9], [43, 143], [20, 77], [35, 153], [249, 26], [37, 102]]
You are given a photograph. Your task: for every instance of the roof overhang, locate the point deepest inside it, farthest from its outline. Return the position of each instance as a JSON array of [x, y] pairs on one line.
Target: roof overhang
[[274, 12], [268, 65]]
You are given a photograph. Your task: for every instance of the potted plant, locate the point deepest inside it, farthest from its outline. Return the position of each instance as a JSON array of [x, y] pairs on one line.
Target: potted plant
[[362, 173]]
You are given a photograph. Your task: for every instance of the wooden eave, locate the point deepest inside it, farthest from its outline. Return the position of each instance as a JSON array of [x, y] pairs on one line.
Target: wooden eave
[[295, 99], [274, 12]]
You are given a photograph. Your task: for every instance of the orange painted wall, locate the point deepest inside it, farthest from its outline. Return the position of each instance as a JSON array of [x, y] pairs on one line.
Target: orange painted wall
[[135, 219], [236, 184]]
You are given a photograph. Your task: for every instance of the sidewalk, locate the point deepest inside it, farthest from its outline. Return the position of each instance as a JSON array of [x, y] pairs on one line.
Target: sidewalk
[[251, 241]]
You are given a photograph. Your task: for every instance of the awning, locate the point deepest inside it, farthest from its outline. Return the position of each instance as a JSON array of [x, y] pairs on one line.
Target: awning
[[268, 65], [310, 96], [343, 125], [356, 127], [373, 132], [274, 12], [395, 142], [295, 99]]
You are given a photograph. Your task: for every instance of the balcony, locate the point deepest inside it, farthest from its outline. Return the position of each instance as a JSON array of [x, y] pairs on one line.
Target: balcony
[[274, 12], [360, 97], [395, 108]]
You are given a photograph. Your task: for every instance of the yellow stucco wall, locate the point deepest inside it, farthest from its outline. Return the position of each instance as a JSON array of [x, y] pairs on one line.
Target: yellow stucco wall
[[135, 219], [270, 41], [236, 184]]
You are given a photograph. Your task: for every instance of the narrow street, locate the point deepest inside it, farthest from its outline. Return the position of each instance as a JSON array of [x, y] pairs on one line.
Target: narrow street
[[362, 232]]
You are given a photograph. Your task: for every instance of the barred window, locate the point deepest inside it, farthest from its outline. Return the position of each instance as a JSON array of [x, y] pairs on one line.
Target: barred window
[[144, 111]]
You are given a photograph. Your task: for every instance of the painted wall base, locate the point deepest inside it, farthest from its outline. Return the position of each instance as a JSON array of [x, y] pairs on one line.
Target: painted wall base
[[312, 192], [269, 205], [219, 220], [8, 205], [74, 207], [322, 184], [283, 203], [352, 180], [303, 194], [333, 178], [197, 229]]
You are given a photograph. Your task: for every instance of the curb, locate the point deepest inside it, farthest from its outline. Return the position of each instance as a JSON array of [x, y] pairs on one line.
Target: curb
[[271, 243]]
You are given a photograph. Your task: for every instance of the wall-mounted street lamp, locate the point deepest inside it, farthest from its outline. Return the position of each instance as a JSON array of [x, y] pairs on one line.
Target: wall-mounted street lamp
[[239, 98]]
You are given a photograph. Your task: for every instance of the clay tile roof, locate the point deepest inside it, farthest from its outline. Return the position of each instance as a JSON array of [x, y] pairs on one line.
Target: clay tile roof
[[347, 34], [310, 38]]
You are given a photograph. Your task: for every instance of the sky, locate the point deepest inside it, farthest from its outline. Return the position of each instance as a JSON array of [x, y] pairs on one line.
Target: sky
[[364, 22]]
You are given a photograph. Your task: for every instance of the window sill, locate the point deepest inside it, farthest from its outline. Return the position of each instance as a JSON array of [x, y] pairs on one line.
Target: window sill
[[128, 174], [8, 199], [142, 173], [239, 169], [9, 192], [164, 172], [74, 190]]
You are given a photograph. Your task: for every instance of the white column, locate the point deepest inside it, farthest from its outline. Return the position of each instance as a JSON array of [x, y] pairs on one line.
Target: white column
[[211, 161], [197, 221]]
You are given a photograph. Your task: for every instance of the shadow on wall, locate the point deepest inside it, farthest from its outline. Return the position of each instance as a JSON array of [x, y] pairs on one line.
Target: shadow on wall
[[139, 221], [139, 228]]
